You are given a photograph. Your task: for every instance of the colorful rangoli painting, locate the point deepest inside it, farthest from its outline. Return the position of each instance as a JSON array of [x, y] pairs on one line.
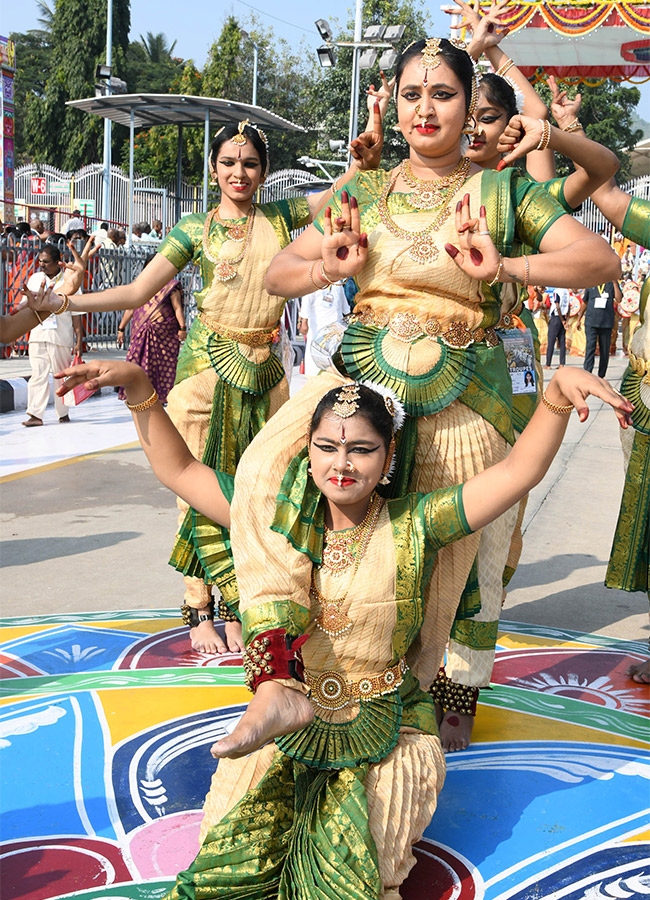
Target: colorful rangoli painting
[[106, 721]]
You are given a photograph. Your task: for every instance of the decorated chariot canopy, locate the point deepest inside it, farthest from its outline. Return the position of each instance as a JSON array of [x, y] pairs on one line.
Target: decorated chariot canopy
[[578, 41]]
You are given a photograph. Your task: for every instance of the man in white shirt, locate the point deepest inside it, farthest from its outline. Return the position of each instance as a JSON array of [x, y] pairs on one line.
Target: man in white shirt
[[75, 223], [318, 310], [557, 318], [50, 344]]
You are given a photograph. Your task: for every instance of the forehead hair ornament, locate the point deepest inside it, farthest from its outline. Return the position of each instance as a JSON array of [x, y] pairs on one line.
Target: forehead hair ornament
[[347, 401], [240, 138], [430, 58]]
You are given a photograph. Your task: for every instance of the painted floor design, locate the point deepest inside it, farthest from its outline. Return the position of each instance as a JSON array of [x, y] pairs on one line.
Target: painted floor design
[[105, 765]]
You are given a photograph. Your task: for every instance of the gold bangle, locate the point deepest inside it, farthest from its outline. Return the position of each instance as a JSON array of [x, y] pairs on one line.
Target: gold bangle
[[545, 139], [526, 272], [498, 272], [146, 404], [554, 408], [573, 126], [65, 303], [40, 321], [322, 274], [316, 287], [504, 67], [333, 188]]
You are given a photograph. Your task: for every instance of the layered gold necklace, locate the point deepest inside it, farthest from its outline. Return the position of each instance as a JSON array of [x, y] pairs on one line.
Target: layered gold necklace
[[425, 195], [338, 555], [224, 269]]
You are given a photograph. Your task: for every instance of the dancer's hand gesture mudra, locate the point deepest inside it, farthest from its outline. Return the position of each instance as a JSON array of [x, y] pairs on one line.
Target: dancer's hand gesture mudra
[[475, 253], [345, 247]]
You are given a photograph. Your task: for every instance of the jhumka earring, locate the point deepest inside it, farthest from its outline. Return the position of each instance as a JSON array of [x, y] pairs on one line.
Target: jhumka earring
[[385, 475]]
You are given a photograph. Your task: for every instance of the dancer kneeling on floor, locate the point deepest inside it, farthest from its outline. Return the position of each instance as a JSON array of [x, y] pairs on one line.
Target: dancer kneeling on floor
[[333, 807]]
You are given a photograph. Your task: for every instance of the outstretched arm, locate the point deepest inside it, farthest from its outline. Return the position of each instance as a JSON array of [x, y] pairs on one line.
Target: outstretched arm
[[493, 491], [127, 296], [612, 202], [167, 452], [14, 326]]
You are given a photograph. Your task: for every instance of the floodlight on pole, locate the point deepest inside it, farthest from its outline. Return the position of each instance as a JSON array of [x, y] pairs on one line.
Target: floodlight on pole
[[368, 58], [394, 33], [326, 56], [388, 59], [105, 72], [374, 33], [324, 29]]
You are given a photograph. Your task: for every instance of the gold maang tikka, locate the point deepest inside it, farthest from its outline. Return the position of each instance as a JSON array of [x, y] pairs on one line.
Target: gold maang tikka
[[347, 401], [430, 58], [240, 138]]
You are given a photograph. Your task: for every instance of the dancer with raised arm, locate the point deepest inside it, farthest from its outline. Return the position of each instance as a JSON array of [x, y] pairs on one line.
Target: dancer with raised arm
[[333, 807], [228, 380], [430, 272]]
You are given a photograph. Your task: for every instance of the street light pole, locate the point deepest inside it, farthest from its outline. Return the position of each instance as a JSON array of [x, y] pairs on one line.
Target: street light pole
[[106, 202], [354, 96], [255, 52]]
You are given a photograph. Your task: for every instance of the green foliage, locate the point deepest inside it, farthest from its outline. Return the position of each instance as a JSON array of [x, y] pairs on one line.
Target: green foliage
[[34, 59], [607, 115], [55, 133]]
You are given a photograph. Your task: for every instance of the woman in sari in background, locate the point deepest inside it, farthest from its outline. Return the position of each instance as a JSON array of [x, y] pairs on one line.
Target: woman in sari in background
[[157, 331]]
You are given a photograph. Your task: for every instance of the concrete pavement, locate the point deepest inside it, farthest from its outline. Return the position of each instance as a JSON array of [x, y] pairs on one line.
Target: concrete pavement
[[87, 527]]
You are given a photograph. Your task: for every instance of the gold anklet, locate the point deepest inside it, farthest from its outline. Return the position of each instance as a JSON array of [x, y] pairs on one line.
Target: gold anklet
[[146, 404], [554, 408]]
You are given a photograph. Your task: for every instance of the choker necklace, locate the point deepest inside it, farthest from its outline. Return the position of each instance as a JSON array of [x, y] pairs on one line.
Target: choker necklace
[[337, 557], [224, 269], [236, 231], [430, 194], [423, 249]]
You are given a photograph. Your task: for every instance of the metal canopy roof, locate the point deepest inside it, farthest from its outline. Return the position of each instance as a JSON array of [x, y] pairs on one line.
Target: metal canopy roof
[[179, 109]]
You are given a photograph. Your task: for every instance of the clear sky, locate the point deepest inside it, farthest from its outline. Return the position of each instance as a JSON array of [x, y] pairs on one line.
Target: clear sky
[[194, 24]]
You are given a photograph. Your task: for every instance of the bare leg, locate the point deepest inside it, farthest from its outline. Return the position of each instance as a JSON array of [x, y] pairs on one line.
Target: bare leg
[[455, 731], [640, 672], [204, 638], [274, 710], [234, 637]]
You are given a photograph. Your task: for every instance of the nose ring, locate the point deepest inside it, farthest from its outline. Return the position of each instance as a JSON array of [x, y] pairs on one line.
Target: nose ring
[[417, 110]]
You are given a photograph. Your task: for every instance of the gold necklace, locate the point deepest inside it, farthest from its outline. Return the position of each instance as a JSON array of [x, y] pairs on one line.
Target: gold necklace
[[237, 231], [430, 194], [331, 619], [337, 553], [423, 249], [224, 269]]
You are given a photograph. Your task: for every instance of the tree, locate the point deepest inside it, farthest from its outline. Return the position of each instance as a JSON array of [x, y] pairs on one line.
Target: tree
[[33, 62], [57, 134], [156, 47]]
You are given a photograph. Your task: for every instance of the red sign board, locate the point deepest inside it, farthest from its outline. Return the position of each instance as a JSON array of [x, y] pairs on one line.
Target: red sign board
[[38, 185]]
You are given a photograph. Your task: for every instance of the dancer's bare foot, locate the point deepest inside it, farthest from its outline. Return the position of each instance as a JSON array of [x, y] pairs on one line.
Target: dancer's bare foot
[[204, 638], [273, 711], [234, 637], [455, 731], [640, 672]]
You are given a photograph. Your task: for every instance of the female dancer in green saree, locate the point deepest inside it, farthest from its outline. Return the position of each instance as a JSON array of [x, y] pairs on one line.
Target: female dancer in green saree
[[430, 278], [333, 807]]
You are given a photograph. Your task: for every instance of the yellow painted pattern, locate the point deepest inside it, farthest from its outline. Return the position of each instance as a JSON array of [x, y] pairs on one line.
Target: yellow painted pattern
[[16, 476], [493, 724], [639, 838], [135, 710], [514, 641]]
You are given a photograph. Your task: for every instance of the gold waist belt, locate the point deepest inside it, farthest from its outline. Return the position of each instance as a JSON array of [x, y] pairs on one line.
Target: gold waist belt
[[332, 691], [407, 327], [252, 338]]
